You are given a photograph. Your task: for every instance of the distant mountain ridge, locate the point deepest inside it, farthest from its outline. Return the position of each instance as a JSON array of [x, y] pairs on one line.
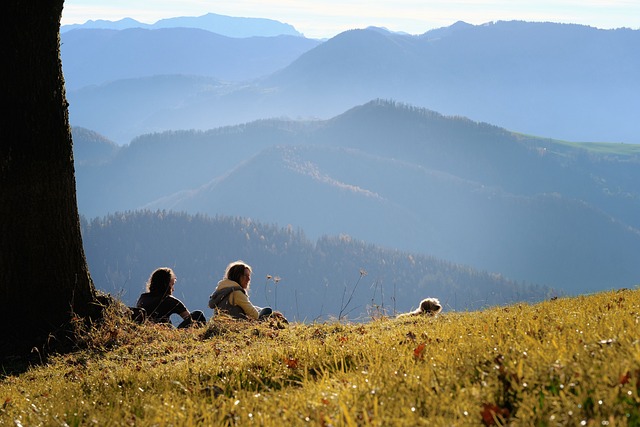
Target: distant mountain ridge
[[562, 81], [220, 24], [544, 79], [536, 210], [98, 56]]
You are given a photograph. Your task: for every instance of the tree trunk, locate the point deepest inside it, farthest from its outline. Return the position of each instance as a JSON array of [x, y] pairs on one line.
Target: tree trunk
[[44, 279]]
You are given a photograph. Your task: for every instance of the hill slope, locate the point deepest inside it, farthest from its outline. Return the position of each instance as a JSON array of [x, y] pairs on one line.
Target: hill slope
[[100, 56], [567, 360], [533, 209]]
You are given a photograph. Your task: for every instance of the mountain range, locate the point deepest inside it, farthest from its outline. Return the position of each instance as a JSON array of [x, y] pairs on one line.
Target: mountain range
[[561, 81], [229, 26], [157, 61], [471, 144], [537, 210]]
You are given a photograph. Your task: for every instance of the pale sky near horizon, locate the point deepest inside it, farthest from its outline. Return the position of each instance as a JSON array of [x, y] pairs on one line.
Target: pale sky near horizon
[[327, 18]]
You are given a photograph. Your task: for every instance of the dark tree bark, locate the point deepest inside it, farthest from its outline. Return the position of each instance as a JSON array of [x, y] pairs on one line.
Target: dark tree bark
[[44, 279]]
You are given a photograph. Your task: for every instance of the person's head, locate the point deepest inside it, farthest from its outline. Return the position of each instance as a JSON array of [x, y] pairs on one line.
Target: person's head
[[239, 272], [161, 281]]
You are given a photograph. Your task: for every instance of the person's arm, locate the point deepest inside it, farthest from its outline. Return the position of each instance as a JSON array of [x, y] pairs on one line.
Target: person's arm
[[242, 300], [179, 308]]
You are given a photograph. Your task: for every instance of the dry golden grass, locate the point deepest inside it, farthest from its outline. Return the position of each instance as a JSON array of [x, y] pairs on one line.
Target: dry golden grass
[[569, 361]]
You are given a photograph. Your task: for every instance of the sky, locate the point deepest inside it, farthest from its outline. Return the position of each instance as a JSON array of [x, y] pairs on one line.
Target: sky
[[327, 18]]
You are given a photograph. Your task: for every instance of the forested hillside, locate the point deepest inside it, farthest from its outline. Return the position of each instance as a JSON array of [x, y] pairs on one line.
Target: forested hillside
[[336, 276]]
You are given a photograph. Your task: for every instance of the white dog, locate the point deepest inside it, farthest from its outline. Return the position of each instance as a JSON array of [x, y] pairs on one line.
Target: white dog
[[427, 307]]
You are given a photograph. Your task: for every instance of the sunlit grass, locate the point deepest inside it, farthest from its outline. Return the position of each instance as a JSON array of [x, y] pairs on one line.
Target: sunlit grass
[[568, 361], [611, 148], [608, 147]]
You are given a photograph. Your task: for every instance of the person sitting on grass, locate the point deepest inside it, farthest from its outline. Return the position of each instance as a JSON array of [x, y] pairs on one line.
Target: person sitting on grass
[[159, 302], [231, 295]]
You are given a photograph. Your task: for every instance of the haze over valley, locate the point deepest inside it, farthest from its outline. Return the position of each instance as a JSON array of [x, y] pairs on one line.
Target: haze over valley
[[424, 146], [560, 81]]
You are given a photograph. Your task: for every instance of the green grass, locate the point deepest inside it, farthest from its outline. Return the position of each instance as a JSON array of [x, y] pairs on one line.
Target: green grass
[[619, 149], [606, 148], [568, 361]]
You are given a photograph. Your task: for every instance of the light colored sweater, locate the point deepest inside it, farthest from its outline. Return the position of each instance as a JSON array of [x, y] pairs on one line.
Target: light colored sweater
[[238, 298]]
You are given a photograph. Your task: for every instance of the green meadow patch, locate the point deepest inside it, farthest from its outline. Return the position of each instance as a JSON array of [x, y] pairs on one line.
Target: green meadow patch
[[619, 149], [566, 361]]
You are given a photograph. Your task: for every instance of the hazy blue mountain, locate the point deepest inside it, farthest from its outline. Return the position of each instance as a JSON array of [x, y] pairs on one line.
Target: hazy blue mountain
[[224, 25], [102, 24], [536, 210], [97, 56], [406, 206], [91, 148], [560, 81], [563, 81]]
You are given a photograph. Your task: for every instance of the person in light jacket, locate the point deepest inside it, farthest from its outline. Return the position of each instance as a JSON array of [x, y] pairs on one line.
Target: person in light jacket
[[231, 294]]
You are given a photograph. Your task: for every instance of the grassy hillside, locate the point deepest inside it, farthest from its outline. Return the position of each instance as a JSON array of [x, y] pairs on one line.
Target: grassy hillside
[[605, 148], [566, 361]]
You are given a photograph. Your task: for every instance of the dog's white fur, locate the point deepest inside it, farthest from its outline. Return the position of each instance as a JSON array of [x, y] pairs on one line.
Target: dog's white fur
[[427, 307]]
